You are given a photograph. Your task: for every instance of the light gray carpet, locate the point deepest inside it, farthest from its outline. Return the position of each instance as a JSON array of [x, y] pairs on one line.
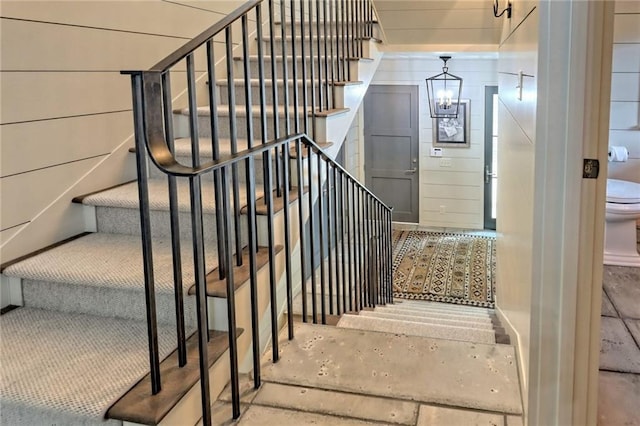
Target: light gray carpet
[[72, 364], [107, 260], [126, 196], [102, 274]]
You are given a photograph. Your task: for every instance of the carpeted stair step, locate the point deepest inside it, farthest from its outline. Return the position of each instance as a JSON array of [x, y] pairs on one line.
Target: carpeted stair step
[[254, 67], [224, 132], [396, 366], [117, 209], [102, 274], [417, 329], [331, 26], [204, 120], [183, 156], [366, 48], [240, 97], [391, 309], [429, 320], [68, 368]]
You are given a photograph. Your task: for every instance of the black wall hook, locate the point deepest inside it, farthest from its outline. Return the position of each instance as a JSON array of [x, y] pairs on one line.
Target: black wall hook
[[495, 9]]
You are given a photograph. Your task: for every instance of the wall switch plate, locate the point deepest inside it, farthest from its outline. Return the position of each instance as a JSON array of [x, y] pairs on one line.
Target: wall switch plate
[[445, 162], [436, 152]]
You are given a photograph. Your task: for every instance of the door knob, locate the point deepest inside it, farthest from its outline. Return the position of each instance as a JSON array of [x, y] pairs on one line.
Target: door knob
[[487, 174], [409, 172]]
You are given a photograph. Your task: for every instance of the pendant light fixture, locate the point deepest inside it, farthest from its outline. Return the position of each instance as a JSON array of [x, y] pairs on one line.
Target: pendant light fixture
[[443, 91]]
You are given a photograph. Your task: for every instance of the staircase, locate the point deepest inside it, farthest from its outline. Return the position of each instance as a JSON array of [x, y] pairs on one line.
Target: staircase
[[191, 272], [111, 330]]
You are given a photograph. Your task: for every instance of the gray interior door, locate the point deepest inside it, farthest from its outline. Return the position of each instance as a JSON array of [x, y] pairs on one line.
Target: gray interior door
[[391, 147]]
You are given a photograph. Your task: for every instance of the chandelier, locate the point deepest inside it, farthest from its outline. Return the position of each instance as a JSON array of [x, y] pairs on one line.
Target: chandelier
[[443, 92]]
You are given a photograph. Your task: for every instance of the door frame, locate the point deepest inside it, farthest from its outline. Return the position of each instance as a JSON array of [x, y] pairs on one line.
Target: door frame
[[489, 91], [568, 236]]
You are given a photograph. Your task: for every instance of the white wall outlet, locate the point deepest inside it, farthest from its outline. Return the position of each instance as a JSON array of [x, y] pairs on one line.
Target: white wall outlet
[[443, 209], [436, 152], [445, 162]]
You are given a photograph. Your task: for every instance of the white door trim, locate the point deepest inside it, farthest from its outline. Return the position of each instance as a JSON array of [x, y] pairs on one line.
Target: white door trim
[[574, 67]]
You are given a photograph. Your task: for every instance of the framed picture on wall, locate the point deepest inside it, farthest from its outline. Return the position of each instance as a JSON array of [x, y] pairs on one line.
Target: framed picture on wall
[[453, 132]]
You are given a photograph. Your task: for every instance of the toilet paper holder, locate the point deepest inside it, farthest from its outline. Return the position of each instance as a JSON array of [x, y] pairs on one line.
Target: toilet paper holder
[[618, 153]]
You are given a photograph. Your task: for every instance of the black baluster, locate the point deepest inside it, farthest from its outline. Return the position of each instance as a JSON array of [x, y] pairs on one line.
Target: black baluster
[[314, 305], [175, 226], [321, 235], [301, 228]]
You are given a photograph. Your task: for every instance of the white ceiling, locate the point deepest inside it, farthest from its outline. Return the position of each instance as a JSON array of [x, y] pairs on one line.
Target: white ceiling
[[454, 25]]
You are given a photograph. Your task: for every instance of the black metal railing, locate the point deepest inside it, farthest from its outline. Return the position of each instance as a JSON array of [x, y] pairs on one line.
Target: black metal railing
[[236, 161]]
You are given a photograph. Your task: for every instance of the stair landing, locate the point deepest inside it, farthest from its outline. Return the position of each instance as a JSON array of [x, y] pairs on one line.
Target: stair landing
[[330, 375]]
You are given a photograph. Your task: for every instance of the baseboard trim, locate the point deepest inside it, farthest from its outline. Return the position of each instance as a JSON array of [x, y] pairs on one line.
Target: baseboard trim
[[42, 250], [514, 336], [8, 308]]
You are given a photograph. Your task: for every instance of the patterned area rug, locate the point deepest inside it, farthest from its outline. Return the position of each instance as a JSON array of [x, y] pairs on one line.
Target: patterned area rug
[[450, 268]]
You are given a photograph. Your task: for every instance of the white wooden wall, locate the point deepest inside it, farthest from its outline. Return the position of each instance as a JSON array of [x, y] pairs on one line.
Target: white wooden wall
[[353, 148], [459, 187], [625, 90], [66, 122], [516, 155]]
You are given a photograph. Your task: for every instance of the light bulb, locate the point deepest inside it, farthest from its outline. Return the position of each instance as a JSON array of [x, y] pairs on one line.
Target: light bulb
[[441, 97]]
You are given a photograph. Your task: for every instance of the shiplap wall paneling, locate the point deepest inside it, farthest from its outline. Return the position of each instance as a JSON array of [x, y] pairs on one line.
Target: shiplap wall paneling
[[458, 188], [66, 119], [353, 145], [624, 121], [53, 142]]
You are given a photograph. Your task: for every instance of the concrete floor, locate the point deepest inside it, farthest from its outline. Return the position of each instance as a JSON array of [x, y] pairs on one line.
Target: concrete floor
[[619, 392]]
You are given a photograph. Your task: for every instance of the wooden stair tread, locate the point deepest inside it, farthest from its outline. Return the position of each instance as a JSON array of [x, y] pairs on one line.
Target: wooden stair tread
[[292, 150], [331, 112], [278, 202], [138, 405], [217, 287]]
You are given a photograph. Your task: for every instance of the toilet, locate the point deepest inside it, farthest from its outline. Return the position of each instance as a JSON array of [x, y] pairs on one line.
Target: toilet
[[622, 212]]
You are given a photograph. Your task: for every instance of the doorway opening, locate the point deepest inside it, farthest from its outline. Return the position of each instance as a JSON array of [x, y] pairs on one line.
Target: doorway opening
[[490, 156]]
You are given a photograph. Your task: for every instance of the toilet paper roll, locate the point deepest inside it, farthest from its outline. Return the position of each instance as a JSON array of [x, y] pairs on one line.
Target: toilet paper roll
[[618, 153]]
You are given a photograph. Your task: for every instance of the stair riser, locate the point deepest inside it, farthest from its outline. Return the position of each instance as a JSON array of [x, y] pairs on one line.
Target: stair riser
[[363, 52], [330, 25], [204, 127], [155, 173], [418, 329], [101, 301], [115, 220], [448, 315], [254, 68], [431, 320], [471, 312], [240, 97]]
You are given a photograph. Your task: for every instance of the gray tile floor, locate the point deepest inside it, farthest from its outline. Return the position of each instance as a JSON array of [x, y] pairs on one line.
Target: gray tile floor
[[619, 391]]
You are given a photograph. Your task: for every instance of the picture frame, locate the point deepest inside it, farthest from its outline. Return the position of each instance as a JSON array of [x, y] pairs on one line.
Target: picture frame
[[454, 132]]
